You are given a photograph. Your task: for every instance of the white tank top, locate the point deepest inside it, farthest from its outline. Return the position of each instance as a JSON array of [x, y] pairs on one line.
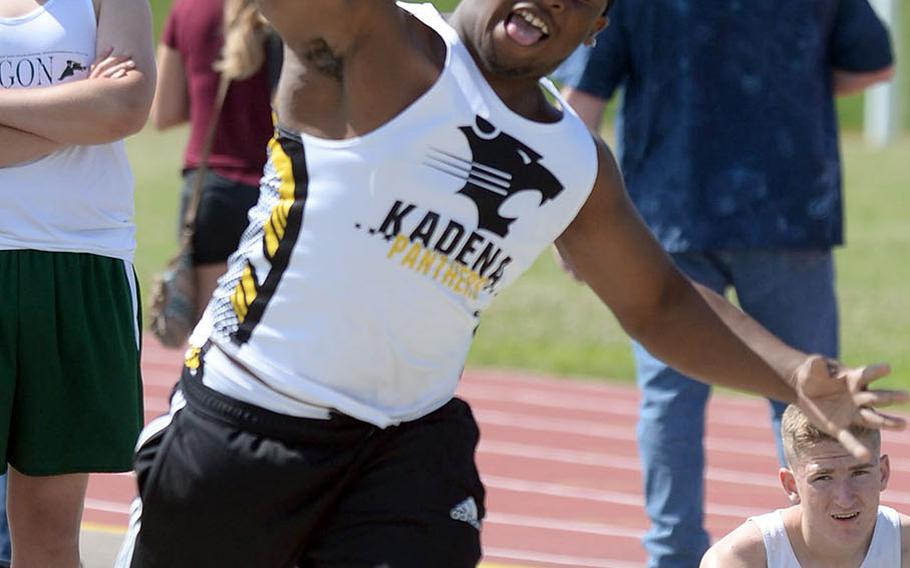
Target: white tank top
[[79, 199], [884, 550], [359, 283]]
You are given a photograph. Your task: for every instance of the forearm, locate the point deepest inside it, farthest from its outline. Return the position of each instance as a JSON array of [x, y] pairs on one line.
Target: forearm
[[692, 333], [17, 147], [90, 111]]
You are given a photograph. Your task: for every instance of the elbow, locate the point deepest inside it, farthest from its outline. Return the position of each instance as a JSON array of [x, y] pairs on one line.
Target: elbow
[[127, 120], [164, 116], [652, 314], [161, 122], [129, 113], [645, 320]]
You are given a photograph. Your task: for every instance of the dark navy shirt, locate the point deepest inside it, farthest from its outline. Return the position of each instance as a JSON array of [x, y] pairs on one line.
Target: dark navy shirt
[[728, 129]]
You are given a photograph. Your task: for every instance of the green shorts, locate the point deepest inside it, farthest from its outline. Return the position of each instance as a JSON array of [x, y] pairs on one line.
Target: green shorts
[[70, 387]]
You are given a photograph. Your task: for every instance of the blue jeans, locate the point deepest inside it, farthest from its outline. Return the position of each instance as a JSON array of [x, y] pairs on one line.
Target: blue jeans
[[5, 548], [792, 294]]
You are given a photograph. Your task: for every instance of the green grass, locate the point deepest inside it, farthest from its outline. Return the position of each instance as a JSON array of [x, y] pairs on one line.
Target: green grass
[[547, 323], [156, 160]]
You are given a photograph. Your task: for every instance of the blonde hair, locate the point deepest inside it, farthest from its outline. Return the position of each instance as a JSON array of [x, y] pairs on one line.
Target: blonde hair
[[245, 33], [799, 434]]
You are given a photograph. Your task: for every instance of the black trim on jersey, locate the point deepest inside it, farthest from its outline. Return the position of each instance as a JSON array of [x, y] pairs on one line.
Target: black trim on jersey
[[294, 150]]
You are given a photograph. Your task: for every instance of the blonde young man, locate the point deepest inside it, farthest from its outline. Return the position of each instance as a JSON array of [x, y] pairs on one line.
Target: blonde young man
[[835, 521]]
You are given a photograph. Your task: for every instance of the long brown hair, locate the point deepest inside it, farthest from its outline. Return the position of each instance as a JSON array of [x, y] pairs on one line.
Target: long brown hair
[[245, 33]]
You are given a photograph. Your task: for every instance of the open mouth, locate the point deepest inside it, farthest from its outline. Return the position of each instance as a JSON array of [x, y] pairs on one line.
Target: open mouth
[[845, 517], [526, 29]]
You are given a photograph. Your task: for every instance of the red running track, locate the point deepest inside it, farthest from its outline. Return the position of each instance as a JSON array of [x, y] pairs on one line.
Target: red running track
[[559, 461]]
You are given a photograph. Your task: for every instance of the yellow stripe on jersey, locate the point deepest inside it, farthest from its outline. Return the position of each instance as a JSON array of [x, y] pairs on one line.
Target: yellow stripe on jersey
[[278, 222], [191, 357], [244, 293], [274, 230], [286, 168]]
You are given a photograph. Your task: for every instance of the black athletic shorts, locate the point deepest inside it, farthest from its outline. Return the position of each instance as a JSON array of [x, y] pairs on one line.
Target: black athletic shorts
[[221, 217], [227, 484]]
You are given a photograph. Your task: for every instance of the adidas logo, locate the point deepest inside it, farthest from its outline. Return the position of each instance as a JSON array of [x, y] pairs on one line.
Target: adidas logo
[[466, 511]]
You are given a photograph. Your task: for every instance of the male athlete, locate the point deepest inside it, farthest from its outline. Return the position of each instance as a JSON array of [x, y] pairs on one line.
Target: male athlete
[[418, 169], [70, 390], [835, 521]]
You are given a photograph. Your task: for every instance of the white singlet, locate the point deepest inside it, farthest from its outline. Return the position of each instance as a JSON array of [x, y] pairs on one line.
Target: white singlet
[[359, 283], [79, 199], [884, 550]]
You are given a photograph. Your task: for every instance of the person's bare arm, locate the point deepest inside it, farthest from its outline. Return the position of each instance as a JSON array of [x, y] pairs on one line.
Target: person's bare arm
[[590, 108], [17, 146], [94, 111], [849, 83], [698, 332], [615, 254], [742, 548], [172, 103]]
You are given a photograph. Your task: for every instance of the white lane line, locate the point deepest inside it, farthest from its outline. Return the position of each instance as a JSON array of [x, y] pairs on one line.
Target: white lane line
[[612, 461], [602, 496], [556, 559], [535, 422], [568, 400], [565, 525], [107, 506]]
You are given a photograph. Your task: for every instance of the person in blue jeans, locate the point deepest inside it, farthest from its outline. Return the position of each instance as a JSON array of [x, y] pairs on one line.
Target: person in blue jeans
[[729, 147], [6, 551]]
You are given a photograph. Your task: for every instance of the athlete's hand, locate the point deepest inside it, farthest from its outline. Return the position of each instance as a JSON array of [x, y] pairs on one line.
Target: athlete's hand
[[109, 66], [834, 397]]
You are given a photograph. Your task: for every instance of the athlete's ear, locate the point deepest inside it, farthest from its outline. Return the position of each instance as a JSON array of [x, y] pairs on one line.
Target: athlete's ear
[[884, 465], [599, 25], [788, 482]]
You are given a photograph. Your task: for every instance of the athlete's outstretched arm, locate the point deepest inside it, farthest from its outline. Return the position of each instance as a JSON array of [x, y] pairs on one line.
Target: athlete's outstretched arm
[[698, 332], [94, 111]]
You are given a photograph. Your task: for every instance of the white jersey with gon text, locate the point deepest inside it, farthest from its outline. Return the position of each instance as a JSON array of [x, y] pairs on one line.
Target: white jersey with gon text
[[78, 199], [359, 283], [884, 550]]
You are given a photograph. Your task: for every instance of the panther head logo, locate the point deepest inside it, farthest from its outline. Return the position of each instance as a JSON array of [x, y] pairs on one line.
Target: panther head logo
[[500, 167], [71, 68]]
